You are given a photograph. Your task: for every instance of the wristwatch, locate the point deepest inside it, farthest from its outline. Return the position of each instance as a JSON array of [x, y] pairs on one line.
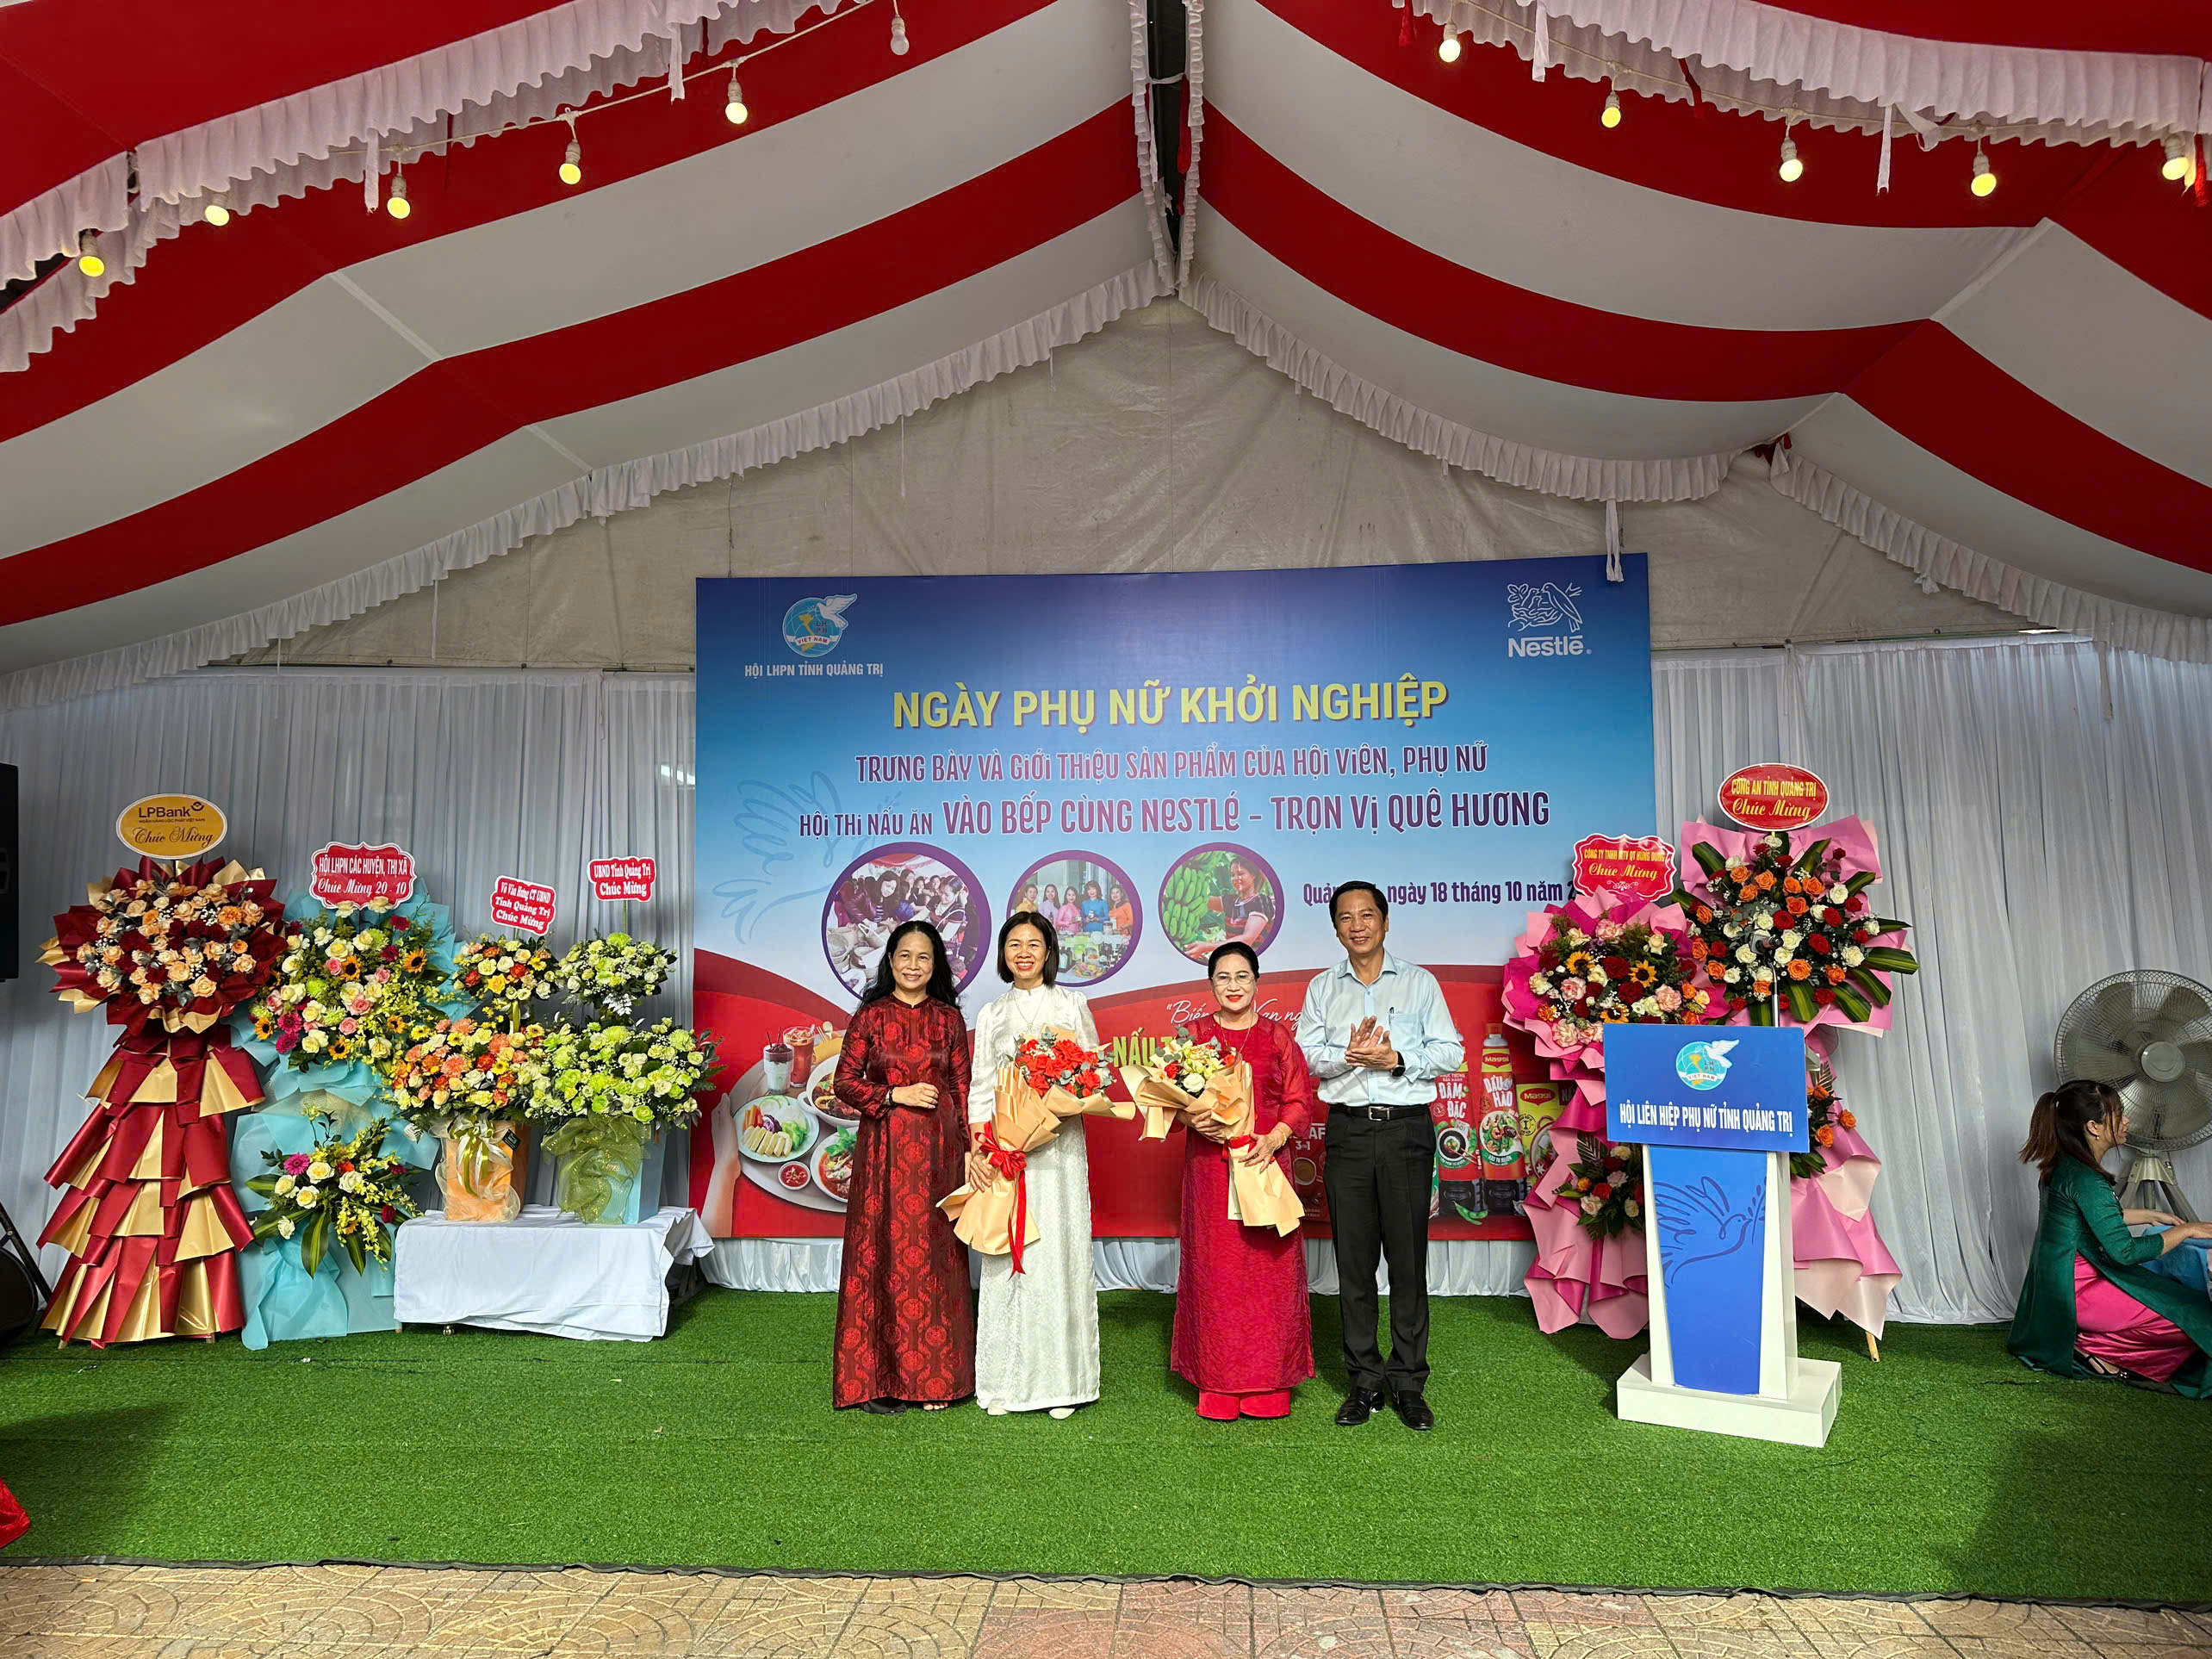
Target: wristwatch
[[1398, 1069]]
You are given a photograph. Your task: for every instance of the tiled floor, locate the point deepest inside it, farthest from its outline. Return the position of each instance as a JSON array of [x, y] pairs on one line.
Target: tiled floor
[[369, 1612]]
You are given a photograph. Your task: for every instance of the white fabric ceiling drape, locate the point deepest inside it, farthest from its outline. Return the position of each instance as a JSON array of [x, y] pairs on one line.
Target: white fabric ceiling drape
[[2045, 813]]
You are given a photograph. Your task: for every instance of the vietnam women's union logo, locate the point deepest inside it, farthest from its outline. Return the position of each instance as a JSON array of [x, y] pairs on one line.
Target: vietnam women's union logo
[[816, 627], [1703, 1065]]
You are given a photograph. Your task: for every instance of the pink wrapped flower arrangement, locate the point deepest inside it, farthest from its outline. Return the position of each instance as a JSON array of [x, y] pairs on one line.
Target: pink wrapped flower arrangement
[[1786, 922], [1602, 958]]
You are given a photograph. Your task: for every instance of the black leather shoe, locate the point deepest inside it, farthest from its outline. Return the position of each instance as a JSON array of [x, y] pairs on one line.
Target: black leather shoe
[[1413, 1411], [1358, 1406], [884, 1407]]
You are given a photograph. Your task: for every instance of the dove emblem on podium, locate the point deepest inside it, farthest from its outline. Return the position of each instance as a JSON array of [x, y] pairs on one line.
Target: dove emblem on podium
[[1699, 1222]]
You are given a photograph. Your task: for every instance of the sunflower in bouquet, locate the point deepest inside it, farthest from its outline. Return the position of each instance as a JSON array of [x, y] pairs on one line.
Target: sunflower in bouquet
[[354, 983], [1177, 1079], [1615, 973], [345, 1187], [501, 976]]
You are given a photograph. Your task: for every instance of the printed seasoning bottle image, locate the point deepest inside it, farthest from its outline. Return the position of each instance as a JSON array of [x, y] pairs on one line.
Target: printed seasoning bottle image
[[1306, 1154], [1499, 1135], [1457, 1185], [1538, 1103]]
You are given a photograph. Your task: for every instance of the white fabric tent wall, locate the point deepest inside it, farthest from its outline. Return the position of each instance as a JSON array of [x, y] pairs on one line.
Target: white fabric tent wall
[[2041, 807], [1157, 444]]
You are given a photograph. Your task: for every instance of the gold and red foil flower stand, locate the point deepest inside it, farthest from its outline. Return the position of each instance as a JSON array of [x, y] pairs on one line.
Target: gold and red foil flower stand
[[148, 1218]]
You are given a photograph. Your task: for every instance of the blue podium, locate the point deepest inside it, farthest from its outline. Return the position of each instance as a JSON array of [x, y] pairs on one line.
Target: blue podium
[[1719, 1109]]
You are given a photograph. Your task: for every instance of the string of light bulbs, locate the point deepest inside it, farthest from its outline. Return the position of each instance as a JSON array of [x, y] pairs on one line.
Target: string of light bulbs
[[215, 210], [2183, 161]]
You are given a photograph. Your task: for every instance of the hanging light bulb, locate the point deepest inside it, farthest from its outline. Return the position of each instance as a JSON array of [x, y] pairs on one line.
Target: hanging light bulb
[[1984, 181], [396, 199], [88, 254], [735, 111], [2176, 166], [899, 42], [1448, 47], [1610, 115], [572, 163], [216, 212], [1792, 168]]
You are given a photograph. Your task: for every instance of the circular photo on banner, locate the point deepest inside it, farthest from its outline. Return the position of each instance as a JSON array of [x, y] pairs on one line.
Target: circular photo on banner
[[1093, 906], [1218, 892], [904, 881]]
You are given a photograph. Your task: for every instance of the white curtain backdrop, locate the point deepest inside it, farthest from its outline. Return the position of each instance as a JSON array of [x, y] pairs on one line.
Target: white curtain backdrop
[[2045, 811]]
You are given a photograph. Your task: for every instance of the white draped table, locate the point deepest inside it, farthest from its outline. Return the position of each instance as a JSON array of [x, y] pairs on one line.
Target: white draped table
[[543, 1272]]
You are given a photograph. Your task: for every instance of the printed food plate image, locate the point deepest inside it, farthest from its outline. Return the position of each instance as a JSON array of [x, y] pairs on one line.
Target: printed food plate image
[[775, 1128], [821, 1095], [833, 1165]]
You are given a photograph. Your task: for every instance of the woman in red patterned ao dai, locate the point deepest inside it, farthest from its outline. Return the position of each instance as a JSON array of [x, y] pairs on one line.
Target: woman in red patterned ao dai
[[905, 1326]]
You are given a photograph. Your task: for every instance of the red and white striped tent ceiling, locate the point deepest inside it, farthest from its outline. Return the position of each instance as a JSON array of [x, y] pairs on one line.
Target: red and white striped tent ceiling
[[236, 433]]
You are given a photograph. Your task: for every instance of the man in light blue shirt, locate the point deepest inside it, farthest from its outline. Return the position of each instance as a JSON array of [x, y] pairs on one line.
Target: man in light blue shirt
[[1376, 1036]]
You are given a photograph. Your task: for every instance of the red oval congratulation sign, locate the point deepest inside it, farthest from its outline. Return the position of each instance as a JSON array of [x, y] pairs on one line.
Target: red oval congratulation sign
[[1773, 796]]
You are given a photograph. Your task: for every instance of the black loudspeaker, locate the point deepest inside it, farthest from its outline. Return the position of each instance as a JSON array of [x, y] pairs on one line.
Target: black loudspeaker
[[12, 880], [23, 1289]]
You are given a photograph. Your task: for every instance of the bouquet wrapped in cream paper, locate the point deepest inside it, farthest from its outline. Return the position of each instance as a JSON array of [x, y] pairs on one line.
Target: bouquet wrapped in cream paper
[[1053, 1077], [1185, 1074], [1196, 1081]]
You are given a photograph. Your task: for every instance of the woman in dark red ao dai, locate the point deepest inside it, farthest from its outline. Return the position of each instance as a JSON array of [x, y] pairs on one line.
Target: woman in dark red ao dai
[[1243, 1328], [905, 1324]]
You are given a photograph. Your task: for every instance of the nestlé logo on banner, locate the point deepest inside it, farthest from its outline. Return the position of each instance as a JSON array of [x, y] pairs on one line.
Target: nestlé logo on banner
[[1549, 607], [814, 628]]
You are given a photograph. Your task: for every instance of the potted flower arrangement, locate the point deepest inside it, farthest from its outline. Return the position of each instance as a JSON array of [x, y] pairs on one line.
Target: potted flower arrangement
[[602, 1093], [468, 1082]]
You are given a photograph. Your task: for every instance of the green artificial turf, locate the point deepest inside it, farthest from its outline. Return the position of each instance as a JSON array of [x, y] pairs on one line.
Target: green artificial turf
[[1951, 1467]]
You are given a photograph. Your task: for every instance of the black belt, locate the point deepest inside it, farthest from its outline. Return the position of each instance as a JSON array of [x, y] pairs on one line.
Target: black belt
[[1380, 1114]]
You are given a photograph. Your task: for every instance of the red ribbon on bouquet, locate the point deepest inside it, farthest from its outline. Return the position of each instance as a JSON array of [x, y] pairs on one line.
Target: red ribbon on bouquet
[[1013, 1163]]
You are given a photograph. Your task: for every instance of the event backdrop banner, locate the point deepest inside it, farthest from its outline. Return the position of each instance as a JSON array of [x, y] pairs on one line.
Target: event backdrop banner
[[1160, 761]]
